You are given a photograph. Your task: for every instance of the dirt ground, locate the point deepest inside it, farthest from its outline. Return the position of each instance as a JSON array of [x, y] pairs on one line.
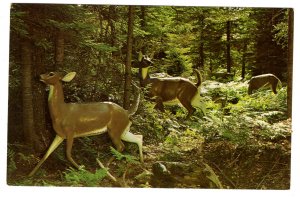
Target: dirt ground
[[266, 166]]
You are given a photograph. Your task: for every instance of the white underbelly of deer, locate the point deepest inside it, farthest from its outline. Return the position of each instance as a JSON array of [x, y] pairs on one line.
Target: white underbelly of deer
[[92, 133], [172, 102]]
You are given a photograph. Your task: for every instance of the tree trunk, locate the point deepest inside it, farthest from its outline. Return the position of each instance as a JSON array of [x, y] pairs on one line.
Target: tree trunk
[[228, 58], [290, 61], [201, 55], [112, 12], [143, 25], [59, 49], [39, 104], [244, 60], [27, 98], [201, 44], [126, 102]]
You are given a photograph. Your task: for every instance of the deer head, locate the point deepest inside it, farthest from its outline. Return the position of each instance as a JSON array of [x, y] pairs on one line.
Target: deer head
[[71, 120]]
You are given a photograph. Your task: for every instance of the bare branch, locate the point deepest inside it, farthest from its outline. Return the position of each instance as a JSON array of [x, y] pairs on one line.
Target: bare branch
[[108, 173]]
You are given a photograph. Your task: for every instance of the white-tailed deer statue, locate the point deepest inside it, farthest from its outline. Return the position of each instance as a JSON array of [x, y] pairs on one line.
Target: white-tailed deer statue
[[170, 90], [71, 120]]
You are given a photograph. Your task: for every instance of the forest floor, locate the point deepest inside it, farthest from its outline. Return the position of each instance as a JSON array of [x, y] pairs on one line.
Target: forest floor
[[236, 141]]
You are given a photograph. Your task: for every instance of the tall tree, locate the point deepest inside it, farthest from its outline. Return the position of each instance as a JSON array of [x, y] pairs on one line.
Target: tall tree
[[201, 41], [270, 56], [290, 60], [59, 48], [126, 102], [228, 40], [28, 120]]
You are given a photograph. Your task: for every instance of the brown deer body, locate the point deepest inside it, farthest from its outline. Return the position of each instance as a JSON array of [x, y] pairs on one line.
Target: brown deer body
[[71, 120], [170, 90], [259, 81]]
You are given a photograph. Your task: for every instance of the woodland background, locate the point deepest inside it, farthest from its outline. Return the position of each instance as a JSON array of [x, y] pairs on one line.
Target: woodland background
[[241, 141]]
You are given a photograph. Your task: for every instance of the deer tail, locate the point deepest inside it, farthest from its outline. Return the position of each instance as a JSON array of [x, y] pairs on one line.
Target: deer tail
[[134, 107], [198, 77]]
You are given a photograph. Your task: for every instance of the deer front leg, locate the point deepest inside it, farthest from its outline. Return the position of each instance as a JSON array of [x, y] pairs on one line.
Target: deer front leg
[[57, 141], [70, 140], [159, 104]]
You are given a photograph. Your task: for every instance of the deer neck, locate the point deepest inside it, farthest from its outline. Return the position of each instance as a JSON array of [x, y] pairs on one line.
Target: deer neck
[[56, 99], [145, 78]]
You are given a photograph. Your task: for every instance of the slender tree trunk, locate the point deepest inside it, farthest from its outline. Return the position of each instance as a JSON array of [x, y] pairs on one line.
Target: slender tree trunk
[[201, 55], [59, 49], [126, 102], [244, 60], [27, 98], [201, 44], [39, 104], [290, 60], [112, 12], [100, 39], [143, 25], [228, 28]]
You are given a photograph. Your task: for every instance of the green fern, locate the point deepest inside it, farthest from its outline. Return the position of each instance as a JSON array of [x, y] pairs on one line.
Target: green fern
[[11, 164], [83, 177], [120, 156]]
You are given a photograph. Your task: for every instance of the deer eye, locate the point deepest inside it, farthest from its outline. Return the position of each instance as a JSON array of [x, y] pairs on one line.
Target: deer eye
[[51, 74]]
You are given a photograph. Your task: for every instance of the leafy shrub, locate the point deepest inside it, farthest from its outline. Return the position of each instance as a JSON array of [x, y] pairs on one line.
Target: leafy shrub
[[83, 177], [120, 156], [262, 101], [11, 164], [177, 143]]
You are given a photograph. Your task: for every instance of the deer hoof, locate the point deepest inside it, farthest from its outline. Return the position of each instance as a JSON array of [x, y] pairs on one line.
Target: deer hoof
[[81, 167]]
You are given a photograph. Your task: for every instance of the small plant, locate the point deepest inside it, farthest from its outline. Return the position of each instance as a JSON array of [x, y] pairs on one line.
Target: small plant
[[120, 156], [83, 177], [11, 164]]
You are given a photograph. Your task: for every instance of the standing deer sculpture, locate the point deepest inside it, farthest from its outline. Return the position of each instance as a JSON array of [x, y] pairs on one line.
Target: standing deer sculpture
[[72, 120], [170, 90]]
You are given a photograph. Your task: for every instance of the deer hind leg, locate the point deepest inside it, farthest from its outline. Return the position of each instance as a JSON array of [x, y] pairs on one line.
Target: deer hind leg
[[274, 86], [187, 103], [138, 139], [56, 142], [119, 144]]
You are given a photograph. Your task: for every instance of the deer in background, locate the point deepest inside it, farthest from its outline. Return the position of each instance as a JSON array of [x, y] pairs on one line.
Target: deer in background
[[259, 81], [72, 120], [170, 90]]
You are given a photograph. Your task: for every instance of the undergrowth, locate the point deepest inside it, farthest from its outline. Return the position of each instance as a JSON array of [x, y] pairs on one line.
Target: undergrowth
[[230, 115], [83, 177]]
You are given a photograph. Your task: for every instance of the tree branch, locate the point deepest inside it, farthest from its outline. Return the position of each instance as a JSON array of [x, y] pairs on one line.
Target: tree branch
[[108, 173]]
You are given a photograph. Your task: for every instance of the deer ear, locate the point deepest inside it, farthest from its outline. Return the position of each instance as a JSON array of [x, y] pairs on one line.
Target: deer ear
[[68, 77], [140, 56]]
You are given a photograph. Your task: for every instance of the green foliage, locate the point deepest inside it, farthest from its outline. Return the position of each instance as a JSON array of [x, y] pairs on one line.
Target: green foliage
[[188, 140], [120, 156], [248, 118], [262, 100], [83, 177], [11, 164], [100, 47], [281, 31], [177, 144]]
